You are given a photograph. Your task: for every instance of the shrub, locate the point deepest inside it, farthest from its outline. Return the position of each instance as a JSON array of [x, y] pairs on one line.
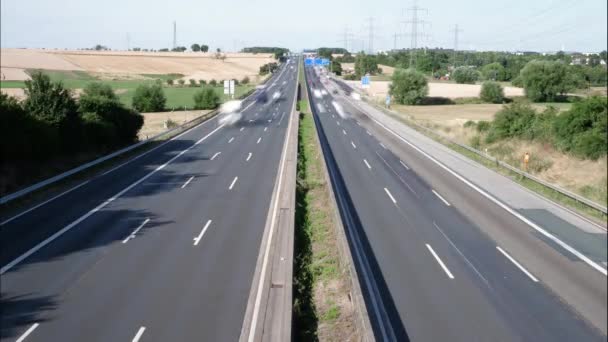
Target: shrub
[[493, 71], [483, 126], [170, 124], [408, 86], [149, 98], [170, 82], [475, 142], [192, 82], [465, 75], [518, 82], [245, 80], [181, 82], [513, 120], [202, 82], [492, 92], [469, 123], [544, 80], [350, 77], [213, 83], [206, 99]]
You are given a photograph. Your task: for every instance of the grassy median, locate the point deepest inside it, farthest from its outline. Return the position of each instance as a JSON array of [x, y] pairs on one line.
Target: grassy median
[[322, 309]]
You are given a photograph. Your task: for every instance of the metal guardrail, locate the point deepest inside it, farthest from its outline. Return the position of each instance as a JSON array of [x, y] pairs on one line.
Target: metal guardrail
[[511, 168], [498, 162]]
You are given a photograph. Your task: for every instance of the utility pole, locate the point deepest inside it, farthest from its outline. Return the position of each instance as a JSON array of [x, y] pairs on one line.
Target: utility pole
[[174, 34], [415, 22], [371, 35], [456, 30]]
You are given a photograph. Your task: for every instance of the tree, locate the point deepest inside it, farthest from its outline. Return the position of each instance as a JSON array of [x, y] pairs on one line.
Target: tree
[[192, 82], [213, 83], [204, 48], [206, 98], [465, 75], [163, 50], [245, 80], [195, 47], [218, 50], [336, 68], [181, 82], [544, 80], [149, 98], [365, 64], [408, 86], [52, 104], [170, 82], [494, 72], [202, 82], [492, 92]]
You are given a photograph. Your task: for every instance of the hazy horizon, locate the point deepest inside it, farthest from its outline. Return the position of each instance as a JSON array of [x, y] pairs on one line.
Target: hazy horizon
[[544, 26]]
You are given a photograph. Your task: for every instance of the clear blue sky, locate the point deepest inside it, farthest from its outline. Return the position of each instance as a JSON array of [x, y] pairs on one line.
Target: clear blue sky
[[541, 25]]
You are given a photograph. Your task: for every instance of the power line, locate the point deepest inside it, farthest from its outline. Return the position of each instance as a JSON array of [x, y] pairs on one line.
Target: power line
[[415, 22], [456, 30]]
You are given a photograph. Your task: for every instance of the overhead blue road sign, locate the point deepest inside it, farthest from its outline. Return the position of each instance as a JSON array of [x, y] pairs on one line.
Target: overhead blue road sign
[[324, 61], [308, 62]]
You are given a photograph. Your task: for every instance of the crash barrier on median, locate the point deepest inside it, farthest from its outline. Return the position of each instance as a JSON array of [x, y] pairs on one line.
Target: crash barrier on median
[[176, 130], [567, 193]]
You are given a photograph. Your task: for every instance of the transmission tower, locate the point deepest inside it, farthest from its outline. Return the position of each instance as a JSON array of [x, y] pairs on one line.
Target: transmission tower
[[456, 30], [415, 23], [347, 36]]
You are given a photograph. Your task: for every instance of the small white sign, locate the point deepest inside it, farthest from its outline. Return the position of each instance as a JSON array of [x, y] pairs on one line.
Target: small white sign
[[229, 87]]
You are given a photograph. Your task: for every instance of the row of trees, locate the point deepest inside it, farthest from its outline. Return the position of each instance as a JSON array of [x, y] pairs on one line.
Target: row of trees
[[268, 68], [50, 123], [194, 83], [199, 47]]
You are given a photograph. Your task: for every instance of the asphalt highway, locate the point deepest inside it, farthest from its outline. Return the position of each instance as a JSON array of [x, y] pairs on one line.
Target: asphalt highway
[[428, 269], [162, 248]]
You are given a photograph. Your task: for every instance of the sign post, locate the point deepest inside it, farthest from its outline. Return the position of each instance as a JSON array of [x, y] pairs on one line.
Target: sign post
[[229, 88], [365, 82]]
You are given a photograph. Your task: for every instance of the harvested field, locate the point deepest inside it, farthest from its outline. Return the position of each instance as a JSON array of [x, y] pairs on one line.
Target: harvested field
[[16, 74]]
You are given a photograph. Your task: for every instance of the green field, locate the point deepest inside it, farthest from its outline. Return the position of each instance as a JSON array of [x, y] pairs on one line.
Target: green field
[[177, 97]]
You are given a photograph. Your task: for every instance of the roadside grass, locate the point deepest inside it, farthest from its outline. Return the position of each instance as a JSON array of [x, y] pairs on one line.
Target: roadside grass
[[527, 183], [321, 307]]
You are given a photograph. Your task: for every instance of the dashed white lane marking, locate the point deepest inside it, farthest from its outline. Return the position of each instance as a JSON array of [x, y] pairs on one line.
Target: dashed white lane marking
[[200, 236], [445, 269], [405, 166], [28, 332], [139, 333], [368, 133], [242, 128], [265, 129], [354, 146], [232, 184], [215, 155], [231, 139], [338, 123], [343, 131], [259, 139], [441, 198], [358, 124], [390, 195], [381, 144], [269, 121], [366, 163], [249, 156], [132, 235], [188, 182], [517, 264]]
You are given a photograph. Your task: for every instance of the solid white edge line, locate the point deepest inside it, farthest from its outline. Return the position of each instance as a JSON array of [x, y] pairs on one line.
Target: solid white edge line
[[366, 163], [132, 235], [441, 198], [522, 218], [523, 269], [258, 297], [97, 208], [215, 155], [405, 166], [389, 195], [28, 332], [232, 184], [43, 203], [445, 269], [354, 146], [198, 238], [139, 333], [381, 144], [188, 182]]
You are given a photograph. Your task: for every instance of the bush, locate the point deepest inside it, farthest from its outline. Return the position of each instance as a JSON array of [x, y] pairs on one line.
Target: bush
[[469, 123], [181, 82], [170, 124], [475, 142], [206, 99], [518, 82], [350, 77], [466, 75], [192, 82], [544, 80], [149, 98], [492, 92], [213, 83], [408, 86], [268, 68], [513, 120], [202, 82], [245, 80], [583, 129], [483, 126], [170, 82]]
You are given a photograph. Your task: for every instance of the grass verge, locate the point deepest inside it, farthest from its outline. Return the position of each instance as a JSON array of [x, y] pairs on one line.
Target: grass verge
[[540, 189], [322, 310]]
